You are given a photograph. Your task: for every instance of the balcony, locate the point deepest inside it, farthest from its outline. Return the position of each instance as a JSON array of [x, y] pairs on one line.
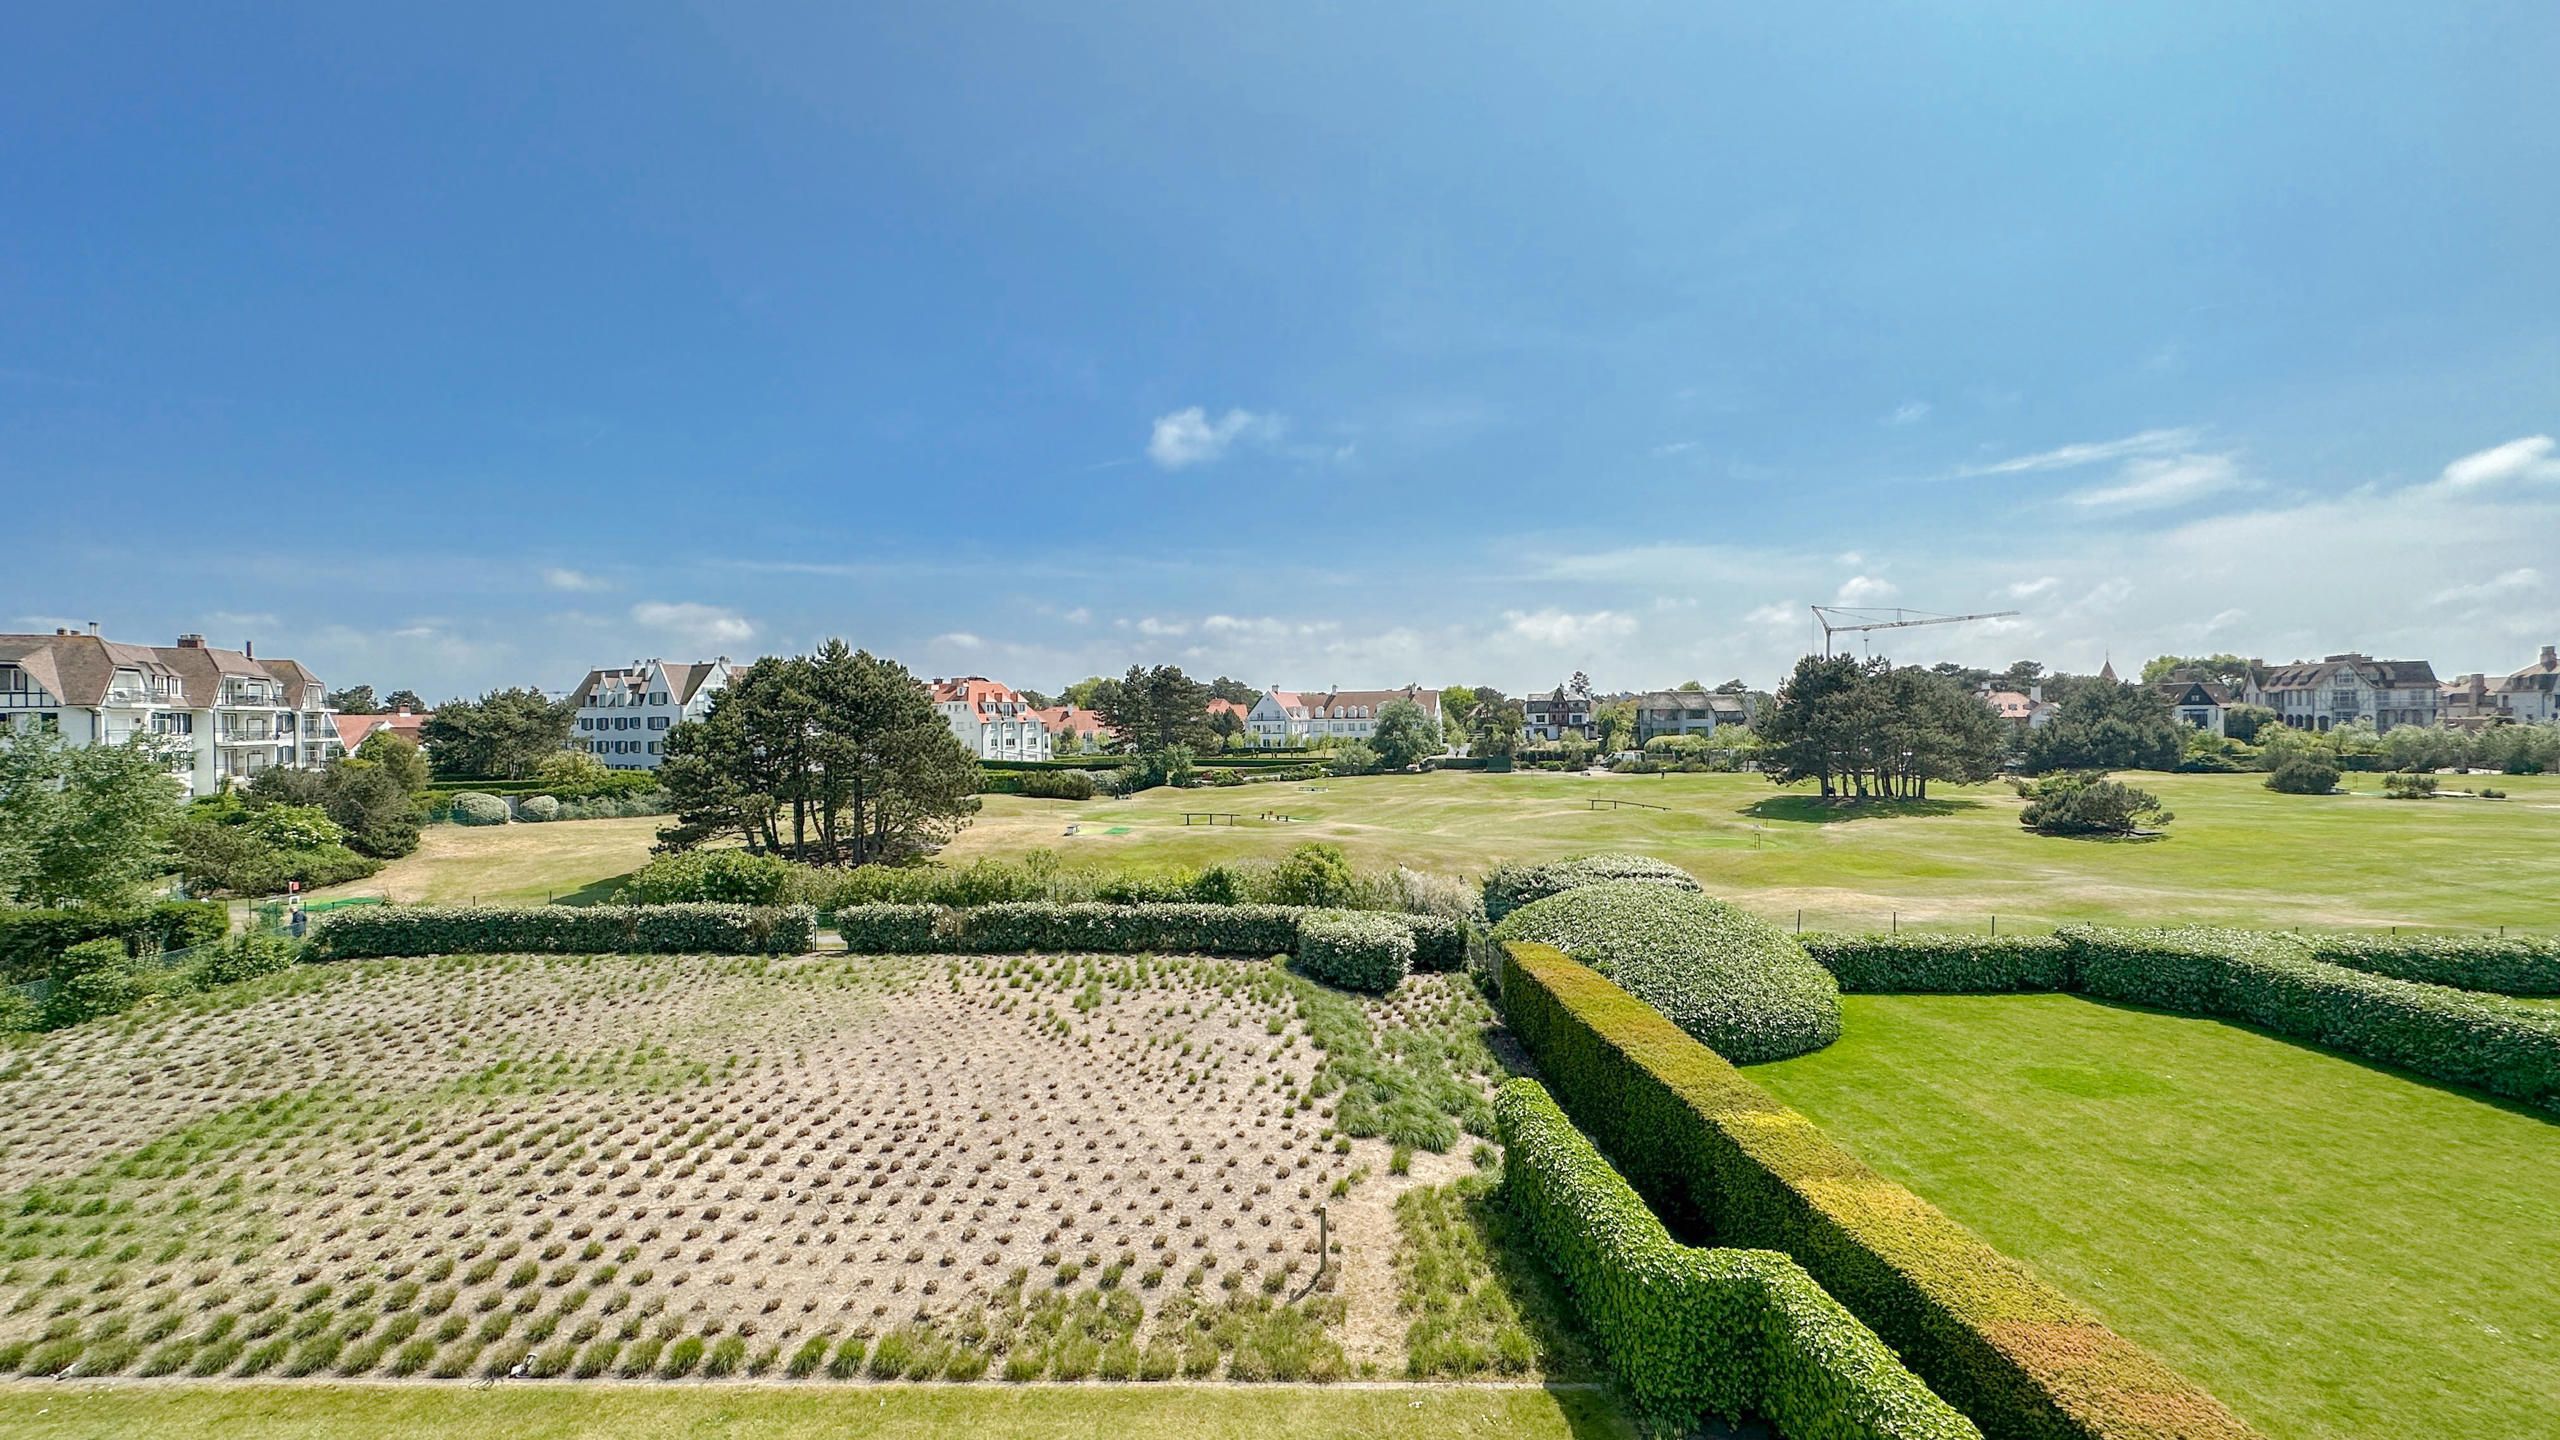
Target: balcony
[[250, 737]]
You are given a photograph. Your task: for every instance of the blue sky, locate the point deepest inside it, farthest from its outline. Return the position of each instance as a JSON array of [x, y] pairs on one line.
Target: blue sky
[[1313, 344]]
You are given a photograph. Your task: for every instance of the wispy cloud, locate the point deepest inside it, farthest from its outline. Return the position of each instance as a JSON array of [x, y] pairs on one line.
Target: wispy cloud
[[958, 640], [1564, 630], [560, 577], [2523, 580], [2092, 452], [1190, 437], [1865, 590], [2528, 459], [1670, 448], [2031, 589], [2153, 482], [694, 623], [1909, 412]]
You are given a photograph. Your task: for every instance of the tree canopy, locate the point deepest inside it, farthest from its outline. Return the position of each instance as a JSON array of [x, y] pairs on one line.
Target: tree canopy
[[82, 824], [1156, 709], [2106, 726], [355, 700], [1404, 735], [502, 735], [1865, 729], [409, 700]]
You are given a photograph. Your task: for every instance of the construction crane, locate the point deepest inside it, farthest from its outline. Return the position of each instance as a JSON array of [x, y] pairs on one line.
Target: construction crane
[[1836, 621]]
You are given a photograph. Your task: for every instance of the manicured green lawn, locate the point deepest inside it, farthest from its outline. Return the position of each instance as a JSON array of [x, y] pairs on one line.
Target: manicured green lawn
[[2236, 854], [2332, 1249], [543, 1411]]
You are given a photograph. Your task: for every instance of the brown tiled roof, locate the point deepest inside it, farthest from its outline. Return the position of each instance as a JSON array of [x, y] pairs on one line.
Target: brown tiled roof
[[79, 669], [1330, 705], [352, 729], [1059, 719]]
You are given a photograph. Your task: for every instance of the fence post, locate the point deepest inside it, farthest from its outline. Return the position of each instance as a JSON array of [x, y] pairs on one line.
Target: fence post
[[1995, 925], [1799, 919], [1897, 922]]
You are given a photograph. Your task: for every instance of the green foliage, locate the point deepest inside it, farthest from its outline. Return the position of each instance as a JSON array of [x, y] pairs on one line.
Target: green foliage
[[1439, 942], [1690, 1332], [219, 859], [1251, 931], [90, 979], [1156, 710], [2107, 727], [471, 807], [294, 827], [505, 732], [1314, 874], [1942, 964], [245, 957], [2304, 774], [1057, 785], [1706, 1146], [1354, 758], [891, 929], [30, 939], [2408, 787], [1404, 735], [564, 930], [2463, 962], [536, 809], [1863, 727], [1734, 981], [1511, 886], [2076, 804], [374, 807], [726, 877], [82, 824], [1355, 950]]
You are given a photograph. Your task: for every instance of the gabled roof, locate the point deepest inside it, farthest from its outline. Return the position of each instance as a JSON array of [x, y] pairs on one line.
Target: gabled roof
[[2192, 692], [977, 693], [79, 669], [353, 729], [1060, 719], [1337, 700]]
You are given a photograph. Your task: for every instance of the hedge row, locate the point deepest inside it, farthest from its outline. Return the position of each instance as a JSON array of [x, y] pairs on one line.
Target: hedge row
[[564, 930], [1694, 1332], [1355, 949], [30, 940], [2272, 980], [2465, 962], [1167, 927], [1942, 964], [1511, 886], [1704, 1144]]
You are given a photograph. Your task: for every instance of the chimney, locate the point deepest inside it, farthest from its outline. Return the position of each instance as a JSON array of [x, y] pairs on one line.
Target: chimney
[[248, 649], [2035, 692], [2550, 657], [190, 642], [93, 627]]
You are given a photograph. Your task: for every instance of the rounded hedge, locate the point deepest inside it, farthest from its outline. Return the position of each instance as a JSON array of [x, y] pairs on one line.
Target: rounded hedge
[[538, 808], [1744, 987], [1512, 886], [471, 807]]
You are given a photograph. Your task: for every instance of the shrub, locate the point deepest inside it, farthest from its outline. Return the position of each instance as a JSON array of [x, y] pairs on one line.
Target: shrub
[[234, 860], [91, 979], [2076, 804], [1058, 785], [891, 929], [723, 877], [564, 930], [1511, 886], [2304, 774], [245, 957], [1355, 950], [294, 827], [1704, 1144], [1439, 943], [2464, 962], [2273, 981], [1314, 874], [1732, 980], [1942, 964], [1353, 759], [538, 808], [1697, 1332], [30, 939], [2408, 787], [472, 807], [1253, 931]]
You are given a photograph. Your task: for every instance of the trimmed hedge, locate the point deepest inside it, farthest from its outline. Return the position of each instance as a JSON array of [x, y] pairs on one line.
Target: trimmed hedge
[[1255, 932], [564, 930], [1355, 950], [2273, 981], [732, 877], [475, 807], [31, 939], [1439, 943], [1696, 1332], [1705, 1145], [2465, 962], [1942, 964], [892, 929], [1733, 980], [1511, 886]]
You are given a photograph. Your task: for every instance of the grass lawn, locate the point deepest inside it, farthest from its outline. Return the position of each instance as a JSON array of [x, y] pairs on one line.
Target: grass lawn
[[457, 864], [2332, 1249], [535, 1410], [2236, 854]]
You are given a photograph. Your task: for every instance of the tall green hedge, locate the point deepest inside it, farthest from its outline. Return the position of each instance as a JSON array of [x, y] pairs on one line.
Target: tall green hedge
[[1355, 950], [1942, 964], [2272, 980], [564, 930], [1166, 927], [1700, 1332], [1707, 1146], [1511, 886], [2465, 962], [31, 939]]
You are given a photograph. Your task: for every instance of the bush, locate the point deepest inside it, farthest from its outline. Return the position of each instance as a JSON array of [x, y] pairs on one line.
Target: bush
[[2075, 804], [30, 939], [1697, 1332], [2463, 962], [564, 930], [1439, 943], [1355, 950], [1942, 964], [472, 807], [245, 957], [891, 929], [1734, 981], [1253, 931], [1058, 785], [538, 808], [722, 877], [1314, 874], [2408, 787], [1511, 886], [2273, 981], [2304, 775], [91, 979], [1705, 1145], [1352, 759], [234, 860]]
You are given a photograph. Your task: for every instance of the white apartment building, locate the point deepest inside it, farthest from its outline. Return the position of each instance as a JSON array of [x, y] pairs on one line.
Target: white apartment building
[[624, 714], [224, 715], [992, 719], [1285, 719]]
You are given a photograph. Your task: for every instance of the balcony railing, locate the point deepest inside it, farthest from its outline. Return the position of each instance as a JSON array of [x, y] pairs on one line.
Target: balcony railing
[[249, 737]]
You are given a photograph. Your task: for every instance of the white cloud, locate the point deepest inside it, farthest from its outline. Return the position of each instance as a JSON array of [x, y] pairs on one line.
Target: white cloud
[[2092, 452], [708, 626], [1162, 629], [560, 577], [1562, 629], [1671, 448], [1077, 616], [1865, 590], [959, 640], [1909, 412], [2030, 589], [2527, 459], [1189, 437], [2151, 482], [2522, 580], [1781, 612]]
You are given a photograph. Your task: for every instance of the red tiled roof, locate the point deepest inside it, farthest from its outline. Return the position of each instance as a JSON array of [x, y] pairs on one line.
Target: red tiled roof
[[352, 729]]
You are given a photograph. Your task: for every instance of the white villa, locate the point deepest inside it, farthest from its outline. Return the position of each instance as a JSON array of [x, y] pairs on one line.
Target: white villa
[[992, 719], [225, 715], [1287, 718], [2342, 689], [2530, 695], [624, 714]]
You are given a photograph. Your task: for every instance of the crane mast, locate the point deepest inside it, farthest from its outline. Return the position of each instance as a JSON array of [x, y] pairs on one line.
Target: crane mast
[[1837, 621]]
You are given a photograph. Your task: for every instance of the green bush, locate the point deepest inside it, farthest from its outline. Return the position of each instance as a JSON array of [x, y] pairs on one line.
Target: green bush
[[1314, 874], [1355, 950], [1942, 964], [2274, 981], [2408, 787], [1511, 886], [1703, 1144], [1252, 931], [1056, 785], [2304, 775], [220, 859], [2081, 804], [1732, 980], [2464, 962], [722, 877], [245, 957], [538, 808], [564, 930], [91, 979], [1689, 1332], [472, 807], [1439, 943], [892, 929], [30, 939]]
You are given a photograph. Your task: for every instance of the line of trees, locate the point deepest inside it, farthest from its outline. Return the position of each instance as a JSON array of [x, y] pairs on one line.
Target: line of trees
[[1866, 730]]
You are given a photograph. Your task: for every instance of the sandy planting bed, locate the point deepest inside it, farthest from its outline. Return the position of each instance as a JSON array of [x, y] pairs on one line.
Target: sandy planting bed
[[825, 1168]]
